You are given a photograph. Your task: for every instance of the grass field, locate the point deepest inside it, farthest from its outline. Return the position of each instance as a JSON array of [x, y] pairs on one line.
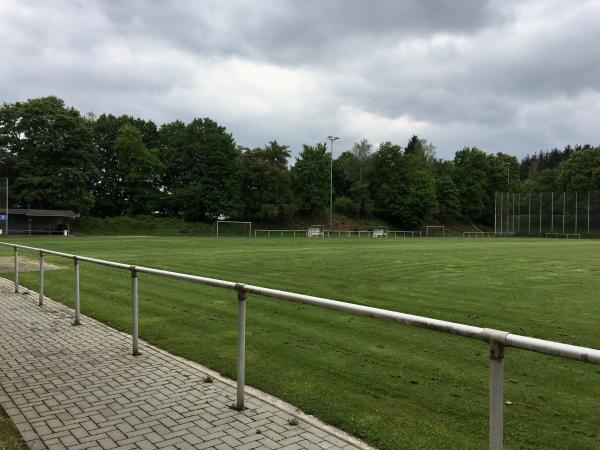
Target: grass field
[[395, 386]]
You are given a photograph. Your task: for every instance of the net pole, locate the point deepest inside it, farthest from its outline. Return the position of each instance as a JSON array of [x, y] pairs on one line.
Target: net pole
[[540, 213], [576, 210], [513, 212], [6, 206], [519, 213], [588, 214], [552, 213], [501, 210], [495, 211], [507, 212], [529, 217], [564, 210]]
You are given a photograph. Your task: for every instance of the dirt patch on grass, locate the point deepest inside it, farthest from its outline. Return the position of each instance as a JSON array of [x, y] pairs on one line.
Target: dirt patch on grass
[[25, 264]]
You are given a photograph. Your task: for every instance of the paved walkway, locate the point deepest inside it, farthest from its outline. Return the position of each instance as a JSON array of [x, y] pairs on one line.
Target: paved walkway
[[78, 387]]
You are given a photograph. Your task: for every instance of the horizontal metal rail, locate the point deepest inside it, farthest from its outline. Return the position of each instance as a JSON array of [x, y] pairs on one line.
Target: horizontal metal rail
[[281, 233], [481, 234], [338, 233], [405, 233], [496, 339], [348, 233], [564, 235]]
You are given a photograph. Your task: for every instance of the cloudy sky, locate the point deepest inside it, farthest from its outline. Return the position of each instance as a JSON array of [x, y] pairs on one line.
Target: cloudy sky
[[503, 75]]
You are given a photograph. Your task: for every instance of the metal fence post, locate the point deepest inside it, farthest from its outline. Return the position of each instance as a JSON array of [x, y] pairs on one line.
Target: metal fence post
[[76, 288], [496, 395], [241, 347], [41, 294], [16, 270], [134, 311]]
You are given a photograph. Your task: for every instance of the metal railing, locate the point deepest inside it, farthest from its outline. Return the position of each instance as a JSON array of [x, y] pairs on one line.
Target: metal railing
[[348, 233], [404, 234], [479, 234], [338, 233], [564, 235], [281, 233], [496, 339]]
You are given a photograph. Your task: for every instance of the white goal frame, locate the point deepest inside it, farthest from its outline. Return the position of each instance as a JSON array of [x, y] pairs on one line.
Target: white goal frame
[[233, 221]]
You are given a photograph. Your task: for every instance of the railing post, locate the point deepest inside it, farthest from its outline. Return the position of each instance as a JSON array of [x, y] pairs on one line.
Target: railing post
[[16, 270], [241, 347], [41, 293], [76, 289], [134, 310], [496, 395]]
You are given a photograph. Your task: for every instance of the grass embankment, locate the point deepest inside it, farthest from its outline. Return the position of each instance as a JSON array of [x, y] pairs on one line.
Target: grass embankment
[[171, 226], [139, 226], [397, 387]]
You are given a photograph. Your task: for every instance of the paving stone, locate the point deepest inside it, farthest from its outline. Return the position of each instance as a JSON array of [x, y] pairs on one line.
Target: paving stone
[[80, 388]]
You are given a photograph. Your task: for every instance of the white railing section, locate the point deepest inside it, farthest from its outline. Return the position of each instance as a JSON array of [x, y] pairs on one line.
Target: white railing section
[[496, 339], [338, 233], [347, 233], [564, 235], [404, 234], [281, 233]]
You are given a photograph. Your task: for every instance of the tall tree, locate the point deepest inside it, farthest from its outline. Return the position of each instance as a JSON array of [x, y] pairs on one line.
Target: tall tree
[[361, 151], [402, 190], [352, 170], [423, 150], [208, 186], [311, 178], [581, 172], [447, 192], [48, 154], [173, 139], [108, 193], [137, 172], [267, 183]]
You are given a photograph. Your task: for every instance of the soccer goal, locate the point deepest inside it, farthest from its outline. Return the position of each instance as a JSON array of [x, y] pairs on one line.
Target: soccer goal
[[232, 228], [434, 230], [380, 232], [316, 231]]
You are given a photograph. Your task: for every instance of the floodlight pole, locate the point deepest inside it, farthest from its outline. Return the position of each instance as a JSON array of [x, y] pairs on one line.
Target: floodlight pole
[[508, 174], [331, 139], [6, 222]]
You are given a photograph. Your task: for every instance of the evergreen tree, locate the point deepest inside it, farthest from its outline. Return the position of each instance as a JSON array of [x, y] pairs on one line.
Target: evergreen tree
[[267, 183], [311, 178]]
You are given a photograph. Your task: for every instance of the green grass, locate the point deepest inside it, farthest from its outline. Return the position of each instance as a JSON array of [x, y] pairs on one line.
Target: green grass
[[395, 386], [9, 436]]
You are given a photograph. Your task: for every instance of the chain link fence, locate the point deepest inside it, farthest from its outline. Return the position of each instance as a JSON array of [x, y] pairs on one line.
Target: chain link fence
[[544, 213]]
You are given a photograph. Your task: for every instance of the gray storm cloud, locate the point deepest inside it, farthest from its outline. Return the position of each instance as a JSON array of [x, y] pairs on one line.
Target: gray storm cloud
[[505, 76]]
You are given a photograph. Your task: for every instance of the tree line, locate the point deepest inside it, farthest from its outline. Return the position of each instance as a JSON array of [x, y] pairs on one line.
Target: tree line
[[108, 165]]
